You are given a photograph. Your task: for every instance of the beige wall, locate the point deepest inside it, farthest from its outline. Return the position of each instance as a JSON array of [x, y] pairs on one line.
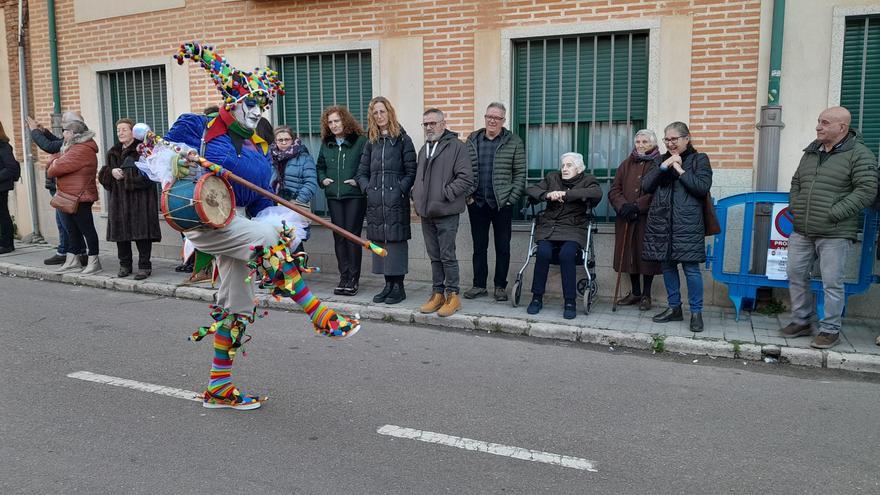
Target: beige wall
[[93, 10], [808, 75]]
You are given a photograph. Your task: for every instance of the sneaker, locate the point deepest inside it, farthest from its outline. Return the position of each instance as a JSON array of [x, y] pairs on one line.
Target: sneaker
[[351, 289], [243, 403], [340, 287], [825, 340], [55, 259], [669, 314], [474, 292], [629, 300], [535, 306], [646, 304], [500, 294], [184, 268], [795, 330]]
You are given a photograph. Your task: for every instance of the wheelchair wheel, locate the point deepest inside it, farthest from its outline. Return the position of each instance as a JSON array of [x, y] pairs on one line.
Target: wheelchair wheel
[[582, 286], [516, 292], [590, 296]]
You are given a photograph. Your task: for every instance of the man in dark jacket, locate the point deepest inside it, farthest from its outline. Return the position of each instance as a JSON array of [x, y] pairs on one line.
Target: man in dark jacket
[[498, 158], [51, 144], [443, 180], [835, 180]]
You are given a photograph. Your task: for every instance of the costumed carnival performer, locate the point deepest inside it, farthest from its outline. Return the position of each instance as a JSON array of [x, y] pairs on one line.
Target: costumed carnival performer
[[257, 242]]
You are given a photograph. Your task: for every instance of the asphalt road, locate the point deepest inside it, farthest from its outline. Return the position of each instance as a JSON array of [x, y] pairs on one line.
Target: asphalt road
[[647, 424]]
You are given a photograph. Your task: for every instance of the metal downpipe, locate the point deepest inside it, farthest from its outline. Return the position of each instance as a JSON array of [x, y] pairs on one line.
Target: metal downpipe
[[34, 236]]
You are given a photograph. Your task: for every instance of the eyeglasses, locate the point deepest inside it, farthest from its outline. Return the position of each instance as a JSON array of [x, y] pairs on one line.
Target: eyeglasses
[[431, 124], [672, 139], [283, 140], [494, 118]]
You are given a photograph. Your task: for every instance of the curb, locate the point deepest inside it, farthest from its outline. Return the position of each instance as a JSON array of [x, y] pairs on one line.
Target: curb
[[814, 358]]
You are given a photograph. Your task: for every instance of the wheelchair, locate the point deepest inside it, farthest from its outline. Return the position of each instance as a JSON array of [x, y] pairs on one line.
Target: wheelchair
[[587, 287]]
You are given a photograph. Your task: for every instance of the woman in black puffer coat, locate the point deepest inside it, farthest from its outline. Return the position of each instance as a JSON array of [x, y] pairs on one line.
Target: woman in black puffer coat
[[679, 180], [386, 174]]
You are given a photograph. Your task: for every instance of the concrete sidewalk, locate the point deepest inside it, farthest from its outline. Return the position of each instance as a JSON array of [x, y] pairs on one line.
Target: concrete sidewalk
[[754, 337]]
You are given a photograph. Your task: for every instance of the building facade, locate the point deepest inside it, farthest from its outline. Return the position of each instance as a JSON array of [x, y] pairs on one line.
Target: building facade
[[575, 75]]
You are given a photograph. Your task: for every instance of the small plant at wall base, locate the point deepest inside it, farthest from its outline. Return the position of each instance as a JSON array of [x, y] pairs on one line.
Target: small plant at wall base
[[659, 344], [772, 308], [737, 348]]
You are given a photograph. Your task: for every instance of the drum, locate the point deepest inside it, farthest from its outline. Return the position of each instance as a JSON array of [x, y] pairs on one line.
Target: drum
[[191, 203]]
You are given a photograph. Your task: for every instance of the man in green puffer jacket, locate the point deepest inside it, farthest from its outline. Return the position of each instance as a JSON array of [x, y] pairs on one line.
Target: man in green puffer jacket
[[498, 158], [835, 180]]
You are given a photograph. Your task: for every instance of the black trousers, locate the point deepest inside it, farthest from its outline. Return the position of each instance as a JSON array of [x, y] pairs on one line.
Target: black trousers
[[145, 248], [348, 214], [81, 225], [481, 218], [6, 228]]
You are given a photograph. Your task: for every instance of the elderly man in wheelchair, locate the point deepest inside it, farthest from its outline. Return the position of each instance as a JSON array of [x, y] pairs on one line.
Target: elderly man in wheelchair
[[561, 230]]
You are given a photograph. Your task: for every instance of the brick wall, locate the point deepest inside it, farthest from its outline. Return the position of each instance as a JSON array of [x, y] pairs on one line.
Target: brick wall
[[724, 55]]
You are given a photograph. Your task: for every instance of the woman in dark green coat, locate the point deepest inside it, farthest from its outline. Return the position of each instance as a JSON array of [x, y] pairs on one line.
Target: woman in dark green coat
[[341, 147]]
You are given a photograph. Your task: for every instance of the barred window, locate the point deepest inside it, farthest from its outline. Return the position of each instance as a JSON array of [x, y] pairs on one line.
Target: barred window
[[860, 80], [139, 94], [586, 93], [315, 81]]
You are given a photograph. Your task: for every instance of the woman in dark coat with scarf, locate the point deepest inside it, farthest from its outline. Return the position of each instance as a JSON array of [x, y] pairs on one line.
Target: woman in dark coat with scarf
[[631, 204], [562, 227], [679, 181], [386, 174], [132, 206]]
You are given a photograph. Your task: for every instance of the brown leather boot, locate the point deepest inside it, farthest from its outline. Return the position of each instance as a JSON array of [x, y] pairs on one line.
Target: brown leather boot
[[434, 303], [453, 304]]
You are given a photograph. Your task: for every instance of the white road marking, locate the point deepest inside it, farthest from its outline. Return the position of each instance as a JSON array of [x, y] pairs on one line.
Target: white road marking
[[134, 385], [489, 448]]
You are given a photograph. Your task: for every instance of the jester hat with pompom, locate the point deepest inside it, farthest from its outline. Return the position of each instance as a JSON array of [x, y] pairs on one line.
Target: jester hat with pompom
[[234, 84]]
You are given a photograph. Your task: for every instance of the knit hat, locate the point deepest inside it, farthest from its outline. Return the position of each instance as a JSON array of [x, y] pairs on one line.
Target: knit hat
[[262, 85]]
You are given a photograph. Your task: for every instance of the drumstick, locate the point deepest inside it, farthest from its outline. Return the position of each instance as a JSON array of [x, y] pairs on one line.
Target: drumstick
[[151, 137]]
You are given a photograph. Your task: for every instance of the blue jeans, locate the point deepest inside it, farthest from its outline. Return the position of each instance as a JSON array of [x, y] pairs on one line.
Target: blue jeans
[[694, 280], [62, 231]]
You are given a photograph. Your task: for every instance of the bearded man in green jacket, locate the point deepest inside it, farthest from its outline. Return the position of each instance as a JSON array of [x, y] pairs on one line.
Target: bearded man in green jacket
[[835, 180]]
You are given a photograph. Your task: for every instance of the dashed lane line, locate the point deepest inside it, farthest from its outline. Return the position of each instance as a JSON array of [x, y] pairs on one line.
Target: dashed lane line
[[489, 448], [135, 385]]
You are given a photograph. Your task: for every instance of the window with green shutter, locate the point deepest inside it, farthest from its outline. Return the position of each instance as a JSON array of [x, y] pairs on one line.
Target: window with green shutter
[[315, 81], [860, 81], [587, 94], [139, 94]]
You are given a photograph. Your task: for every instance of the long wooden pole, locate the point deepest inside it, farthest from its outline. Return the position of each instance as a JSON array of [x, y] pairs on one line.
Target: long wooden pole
[[217, 169]]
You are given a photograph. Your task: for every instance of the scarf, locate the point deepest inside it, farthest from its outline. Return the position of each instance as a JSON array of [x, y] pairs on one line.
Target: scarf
[[280, 158], [225, 123], [650, 156]]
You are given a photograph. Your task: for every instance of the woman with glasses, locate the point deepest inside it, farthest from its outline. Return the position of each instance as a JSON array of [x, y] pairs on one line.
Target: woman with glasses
[[294, 177], [341, 148], [631, 203], [386, 174], [679, 180]]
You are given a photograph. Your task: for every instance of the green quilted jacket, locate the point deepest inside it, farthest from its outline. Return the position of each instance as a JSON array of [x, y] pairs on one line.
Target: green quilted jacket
[[509, 170], [826, 197]]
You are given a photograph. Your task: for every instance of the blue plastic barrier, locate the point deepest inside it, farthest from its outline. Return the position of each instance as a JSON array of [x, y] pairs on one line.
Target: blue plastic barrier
[[743, 286]]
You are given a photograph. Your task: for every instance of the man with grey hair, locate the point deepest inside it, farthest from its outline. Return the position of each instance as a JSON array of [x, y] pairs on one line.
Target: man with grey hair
[[835, 180], [51, 144], [443, 180], [498, 159]]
